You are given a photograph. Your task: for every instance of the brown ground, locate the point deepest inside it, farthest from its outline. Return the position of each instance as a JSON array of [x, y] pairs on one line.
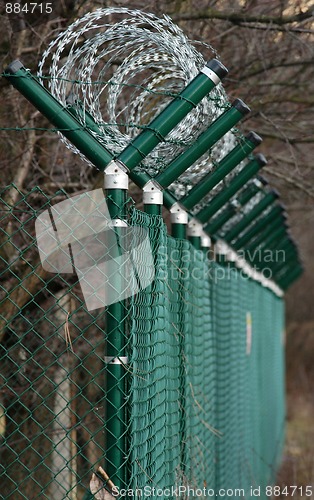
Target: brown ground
[[298, 459]]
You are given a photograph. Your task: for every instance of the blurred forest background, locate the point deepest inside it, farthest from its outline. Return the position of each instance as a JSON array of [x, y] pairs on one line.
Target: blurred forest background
[[268, 47]]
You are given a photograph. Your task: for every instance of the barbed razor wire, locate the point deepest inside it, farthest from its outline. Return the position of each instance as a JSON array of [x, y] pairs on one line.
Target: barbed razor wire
[[121, 74]]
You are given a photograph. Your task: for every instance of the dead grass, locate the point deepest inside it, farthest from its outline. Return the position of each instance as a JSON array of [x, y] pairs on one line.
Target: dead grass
[[298, 458]]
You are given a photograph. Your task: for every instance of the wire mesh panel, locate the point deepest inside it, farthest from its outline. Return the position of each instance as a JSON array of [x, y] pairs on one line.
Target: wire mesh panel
[[201, 384]]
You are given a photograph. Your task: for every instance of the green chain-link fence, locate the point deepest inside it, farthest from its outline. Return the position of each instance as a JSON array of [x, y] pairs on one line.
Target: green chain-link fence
[[201, 394]]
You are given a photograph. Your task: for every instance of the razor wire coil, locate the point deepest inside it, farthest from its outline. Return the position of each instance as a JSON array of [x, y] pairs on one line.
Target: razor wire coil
[[122, 73]]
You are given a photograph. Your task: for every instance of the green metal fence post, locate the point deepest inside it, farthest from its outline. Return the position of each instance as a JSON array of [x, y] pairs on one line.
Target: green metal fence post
[[220, 220], [285, 271], [206, 245], [203, 143], [261, 223], [158, 129], [76, 108], [116, 185], [235, 185], [269, 240], [57, 114], [290, 253], [247, 219], [254, 252], [285, 281], [285, 265], [152, 198], [169, 199], [194, 233], [276, 229], [179, 221], [224, 167], [220, 251], [268, 259]]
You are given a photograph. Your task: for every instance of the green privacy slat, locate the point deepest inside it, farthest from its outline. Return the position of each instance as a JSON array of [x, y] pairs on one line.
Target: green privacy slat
[[204, 375], [203, 143], [235, 185], [159, 128], [236, 155]]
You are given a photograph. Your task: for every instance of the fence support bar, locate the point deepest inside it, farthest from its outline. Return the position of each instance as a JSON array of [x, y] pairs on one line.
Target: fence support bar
[[203, 143], [220, 220], [209, 181], [250, 216], [287, 280], [159, 128], [268, 259], [58, 115], [152, 198], [235, 185], [261, 223], [269, 234]]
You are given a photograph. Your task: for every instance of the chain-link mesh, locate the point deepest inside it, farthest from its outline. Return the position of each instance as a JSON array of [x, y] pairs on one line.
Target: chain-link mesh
[[198, 399]]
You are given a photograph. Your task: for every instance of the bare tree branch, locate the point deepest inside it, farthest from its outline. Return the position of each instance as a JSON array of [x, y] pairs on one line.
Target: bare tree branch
[[239, 17], [290, 180]]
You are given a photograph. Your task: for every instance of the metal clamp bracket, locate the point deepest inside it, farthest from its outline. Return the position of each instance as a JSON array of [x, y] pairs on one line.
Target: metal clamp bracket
[[195, 228], [116, 176], [117, 223], [178, 214], [152, 193], [205, 241], [116, 360], [221, 248]]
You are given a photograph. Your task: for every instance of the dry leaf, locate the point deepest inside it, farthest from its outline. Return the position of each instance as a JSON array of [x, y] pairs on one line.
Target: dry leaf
[[97, 488]]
